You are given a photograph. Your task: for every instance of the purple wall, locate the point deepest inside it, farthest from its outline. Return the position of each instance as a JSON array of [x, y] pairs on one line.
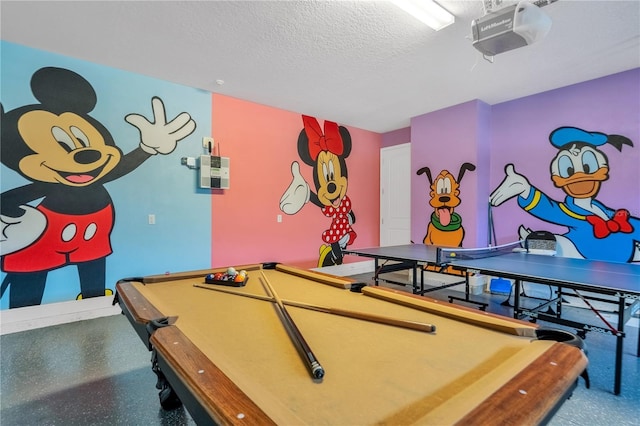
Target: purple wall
[[444, 140], [518, 132], [521, 130], [396, 137]]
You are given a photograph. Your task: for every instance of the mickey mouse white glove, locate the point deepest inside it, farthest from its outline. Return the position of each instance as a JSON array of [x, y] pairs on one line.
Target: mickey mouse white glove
[[297, 195], [159, 136], [19, 232], [514, 184]]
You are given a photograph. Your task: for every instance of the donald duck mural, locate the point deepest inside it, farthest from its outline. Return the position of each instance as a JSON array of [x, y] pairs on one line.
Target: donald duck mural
[[595, 230]]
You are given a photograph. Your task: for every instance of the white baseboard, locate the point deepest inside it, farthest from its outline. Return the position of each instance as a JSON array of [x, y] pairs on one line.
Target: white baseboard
[[347, 269], [32, 317]]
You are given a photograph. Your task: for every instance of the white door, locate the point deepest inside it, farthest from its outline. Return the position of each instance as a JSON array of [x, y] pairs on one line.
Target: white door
[[395, 195]]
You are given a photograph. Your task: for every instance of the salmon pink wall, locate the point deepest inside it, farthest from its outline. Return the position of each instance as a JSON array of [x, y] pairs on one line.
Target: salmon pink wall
[[261, 142]]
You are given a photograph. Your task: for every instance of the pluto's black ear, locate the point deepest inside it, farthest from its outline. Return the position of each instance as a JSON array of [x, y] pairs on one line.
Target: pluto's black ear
[[60, 90], [464, 168], [428, 173]]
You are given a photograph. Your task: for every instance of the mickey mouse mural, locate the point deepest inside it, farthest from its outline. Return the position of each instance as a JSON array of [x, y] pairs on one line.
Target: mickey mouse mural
[[68, 156], [326, 152]]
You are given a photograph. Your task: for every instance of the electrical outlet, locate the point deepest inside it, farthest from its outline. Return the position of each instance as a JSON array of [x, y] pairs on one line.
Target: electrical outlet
[[206, 141]]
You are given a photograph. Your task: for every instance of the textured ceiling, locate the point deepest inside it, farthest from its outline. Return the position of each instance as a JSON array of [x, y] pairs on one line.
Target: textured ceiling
[[361, 63]]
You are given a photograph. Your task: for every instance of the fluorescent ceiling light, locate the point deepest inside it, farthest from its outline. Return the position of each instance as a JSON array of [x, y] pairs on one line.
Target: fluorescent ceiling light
[[427, 11]]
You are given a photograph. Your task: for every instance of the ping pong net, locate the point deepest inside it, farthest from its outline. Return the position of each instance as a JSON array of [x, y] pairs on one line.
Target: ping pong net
[[445, 255]]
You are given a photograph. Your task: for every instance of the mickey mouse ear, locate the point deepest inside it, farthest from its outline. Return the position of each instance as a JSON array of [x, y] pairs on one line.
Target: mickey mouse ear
[[60, 89]]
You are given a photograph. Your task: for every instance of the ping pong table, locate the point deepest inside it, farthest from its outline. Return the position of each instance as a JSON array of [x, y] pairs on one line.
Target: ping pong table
[[413, 257], [618, 283]]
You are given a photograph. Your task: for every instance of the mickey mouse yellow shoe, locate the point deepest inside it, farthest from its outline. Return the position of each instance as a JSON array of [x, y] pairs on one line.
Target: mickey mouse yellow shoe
[[107, 292]]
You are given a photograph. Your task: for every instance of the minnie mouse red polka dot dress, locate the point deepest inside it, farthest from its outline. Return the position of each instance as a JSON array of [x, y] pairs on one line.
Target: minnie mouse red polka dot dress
[[340, 225]]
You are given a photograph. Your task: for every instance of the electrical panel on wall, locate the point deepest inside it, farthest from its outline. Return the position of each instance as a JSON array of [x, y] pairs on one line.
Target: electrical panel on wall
[[214, 172]]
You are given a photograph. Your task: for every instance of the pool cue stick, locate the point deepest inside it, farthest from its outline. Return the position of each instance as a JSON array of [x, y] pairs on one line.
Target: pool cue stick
[[380, 319], [316, 370], [414, 325]]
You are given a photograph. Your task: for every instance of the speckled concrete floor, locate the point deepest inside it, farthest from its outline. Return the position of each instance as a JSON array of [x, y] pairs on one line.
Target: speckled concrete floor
[[94, 372], [97, 372]]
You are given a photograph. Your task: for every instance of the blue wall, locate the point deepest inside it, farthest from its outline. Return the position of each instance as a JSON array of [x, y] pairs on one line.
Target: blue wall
[[180, 239]]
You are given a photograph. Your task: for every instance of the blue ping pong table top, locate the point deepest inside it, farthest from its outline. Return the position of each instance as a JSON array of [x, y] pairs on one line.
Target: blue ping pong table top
[[410, 252], [578, 273]]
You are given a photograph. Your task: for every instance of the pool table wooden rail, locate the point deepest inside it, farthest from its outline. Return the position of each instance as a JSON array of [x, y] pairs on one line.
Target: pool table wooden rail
[[211, 397], [190, 372], [511, 405]]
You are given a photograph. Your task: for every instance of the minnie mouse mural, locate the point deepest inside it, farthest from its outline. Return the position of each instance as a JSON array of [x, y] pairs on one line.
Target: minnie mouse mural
[[325, 151]]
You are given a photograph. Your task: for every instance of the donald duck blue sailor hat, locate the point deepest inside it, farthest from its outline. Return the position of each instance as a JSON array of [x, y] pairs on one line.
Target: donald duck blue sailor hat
[[566, 135]]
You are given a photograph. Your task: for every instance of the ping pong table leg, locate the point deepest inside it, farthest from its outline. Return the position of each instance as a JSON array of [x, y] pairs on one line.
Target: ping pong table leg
[[516, 299], [507, 301], [375, 271], [619, 344]]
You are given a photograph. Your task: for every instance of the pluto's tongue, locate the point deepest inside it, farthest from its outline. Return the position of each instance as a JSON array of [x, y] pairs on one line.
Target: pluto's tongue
[[444, 215], [79, 178]]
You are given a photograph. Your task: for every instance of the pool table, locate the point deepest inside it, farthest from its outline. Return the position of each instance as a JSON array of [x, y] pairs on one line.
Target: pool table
[[225, 353]]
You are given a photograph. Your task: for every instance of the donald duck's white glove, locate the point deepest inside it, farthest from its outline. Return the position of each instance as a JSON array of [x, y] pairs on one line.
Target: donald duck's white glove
[[514, 184]]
